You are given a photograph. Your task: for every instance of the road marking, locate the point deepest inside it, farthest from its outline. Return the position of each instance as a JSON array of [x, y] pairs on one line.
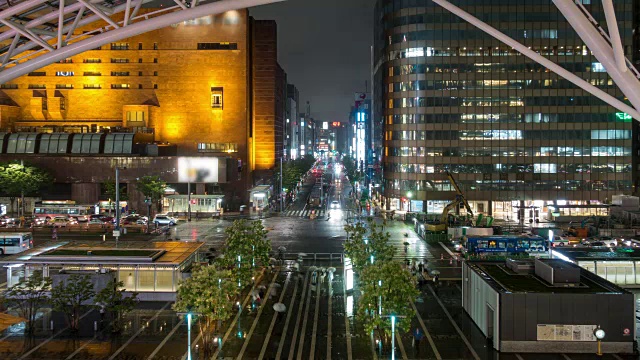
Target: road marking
[[346, 322], [51, 337], [80, 348], [274, 317], [315, 321], [245, 342], [445, 248], [400, 345], [466, 341], [286, 323], [373, 347], [142, 328], [302, 303], [165, 339], [424, 328], [329, 321], [519, 357], [568, 358], [304, 321], [233, 323], [616, 356]]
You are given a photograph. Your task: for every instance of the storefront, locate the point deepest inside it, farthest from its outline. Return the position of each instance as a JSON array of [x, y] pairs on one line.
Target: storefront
[[206, 204], [259, 197]]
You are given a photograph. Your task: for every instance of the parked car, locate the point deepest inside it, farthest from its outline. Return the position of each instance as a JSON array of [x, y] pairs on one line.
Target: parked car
[[164, 220], [95, 222], [598, 245], [60, 221], [560, 240]]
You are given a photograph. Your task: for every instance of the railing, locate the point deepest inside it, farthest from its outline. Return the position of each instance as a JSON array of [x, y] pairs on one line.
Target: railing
[[315, 256]]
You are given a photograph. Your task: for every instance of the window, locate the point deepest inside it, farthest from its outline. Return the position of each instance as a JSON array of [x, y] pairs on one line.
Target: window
[[22, 143], [37, 73], [9, 86], [92, 61], [86, 143], [66, 61], [135, 116], [120, 46], [65, 73], [155, 46], [139, 46], [118, 144], [155, 73], [64, 86], [119, 60], [139, 86], [218, 46], [218, 147], [37, 86], [140, 61], [119, 73], [53, 143], [155, 60], [91, 73], [92, 86], [155, 86], [216, 97], [597, 67], [139, 73], [120, 86]]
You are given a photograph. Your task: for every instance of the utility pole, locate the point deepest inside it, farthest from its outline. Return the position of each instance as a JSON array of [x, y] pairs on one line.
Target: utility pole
[[116, 232], [189, 200], [280, 192], [21, 208]]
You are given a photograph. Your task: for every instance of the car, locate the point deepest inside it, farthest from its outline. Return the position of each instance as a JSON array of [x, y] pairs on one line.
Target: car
[[598, 245], [95, 222], [59, 222], [164, 220], [335, 204], [560, 240]]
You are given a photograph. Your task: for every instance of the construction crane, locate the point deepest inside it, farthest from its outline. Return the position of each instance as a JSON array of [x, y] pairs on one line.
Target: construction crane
[[460, 199]]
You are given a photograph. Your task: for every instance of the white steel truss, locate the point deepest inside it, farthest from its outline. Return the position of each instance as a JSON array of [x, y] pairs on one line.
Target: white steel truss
[[606, 47], [41, 32]]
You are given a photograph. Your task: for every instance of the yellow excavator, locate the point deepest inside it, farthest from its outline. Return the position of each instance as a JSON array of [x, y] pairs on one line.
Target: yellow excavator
[[444, 219]]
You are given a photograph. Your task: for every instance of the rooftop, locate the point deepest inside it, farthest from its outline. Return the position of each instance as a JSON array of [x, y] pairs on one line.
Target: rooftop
[[505, 280], [125, 252]]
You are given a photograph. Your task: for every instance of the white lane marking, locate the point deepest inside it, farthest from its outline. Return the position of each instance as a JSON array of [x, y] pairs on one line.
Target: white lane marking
[[424, 328], [346, 322], [274, 317], [142, 328], [286, 323], [615, 356], [257, 318], [466, 341], [330, 318], [295, 328], [519, 357], [566, 357], [51, 337], [80, 348], [445, 248], [166, 338], [304, 321], [401, 345], [312, 350]]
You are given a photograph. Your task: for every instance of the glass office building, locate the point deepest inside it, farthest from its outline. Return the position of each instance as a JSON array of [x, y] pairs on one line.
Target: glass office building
[[513, 134]]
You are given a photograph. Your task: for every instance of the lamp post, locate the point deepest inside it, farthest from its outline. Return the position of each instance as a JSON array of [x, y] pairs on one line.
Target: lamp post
[[189, 336], [599, 334], [148, 202], [189, 200], [116, 232], [409, 196]]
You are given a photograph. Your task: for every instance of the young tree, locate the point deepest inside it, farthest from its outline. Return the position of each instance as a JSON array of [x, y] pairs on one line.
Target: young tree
[[355, 247], [364, 242], [30, 295], [152, 187], [109, 191], [387, 287], [17, 180], [247, 248], [379, 246], [112, 299], [351, 169], [69, 298], [209, 295]]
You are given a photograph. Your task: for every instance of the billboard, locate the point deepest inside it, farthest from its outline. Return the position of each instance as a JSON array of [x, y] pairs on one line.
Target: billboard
[[198, 169]]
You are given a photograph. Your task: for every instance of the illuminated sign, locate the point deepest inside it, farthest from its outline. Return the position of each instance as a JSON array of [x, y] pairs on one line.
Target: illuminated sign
[[623, 116], [325, 125], [198, 169], [335, 124], [360, 117]]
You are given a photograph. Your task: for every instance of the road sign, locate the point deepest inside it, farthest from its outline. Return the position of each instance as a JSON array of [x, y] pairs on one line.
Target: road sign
[[116, 233], [626, 332]]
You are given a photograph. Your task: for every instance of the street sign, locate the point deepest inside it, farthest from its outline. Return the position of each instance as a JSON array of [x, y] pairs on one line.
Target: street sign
[[116, 233], [626, 332]]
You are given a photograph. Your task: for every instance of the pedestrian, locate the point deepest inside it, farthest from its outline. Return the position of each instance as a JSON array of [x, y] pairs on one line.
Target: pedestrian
[[323, 274], [441, 256], [421, 267], [417, 339], [54, 235], [413, 269]]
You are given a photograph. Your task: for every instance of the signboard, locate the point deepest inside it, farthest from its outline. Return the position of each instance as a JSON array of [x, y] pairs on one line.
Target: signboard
[[623, 116], [348, 274], [198, 169], [554, 332], [116, 233], [335, 124]]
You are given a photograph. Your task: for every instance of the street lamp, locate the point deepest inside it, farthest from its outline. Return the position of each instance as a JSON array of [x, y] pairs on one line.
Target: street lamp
[[409, 196], [393, 337], [189, 335], [599, 334]]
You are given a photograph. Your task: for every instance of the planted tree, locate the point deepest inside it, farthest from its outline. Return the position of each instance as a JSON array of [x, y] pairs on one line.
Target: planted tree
[[31, 295], [351, 169], [386, 290], [355, 247], [152, 187], [17, 180], [209, 296], [247, 248], [367, 243], [109, 191], [70, 297], [115, 303]]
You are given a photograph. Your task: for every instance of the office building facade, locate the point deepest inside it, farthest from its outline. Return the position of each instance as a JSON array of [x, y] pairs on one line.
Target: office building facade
[[512, 133], [206, 93]]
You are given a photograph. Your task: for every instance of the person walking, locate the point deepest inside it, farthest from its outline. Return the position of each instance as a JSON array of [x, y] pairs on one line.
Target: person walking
[[417, 339], [421, 267]]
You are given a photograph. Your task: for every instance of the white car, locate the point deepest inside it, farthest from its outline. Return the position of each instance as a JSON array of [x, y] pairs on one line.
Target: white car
[[335, 204], [560, 240], [164, 220]]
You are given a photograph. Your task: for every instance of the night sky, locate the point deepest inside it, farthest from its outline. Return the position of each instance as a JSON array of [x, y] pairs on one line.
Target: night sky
[[324, 46]]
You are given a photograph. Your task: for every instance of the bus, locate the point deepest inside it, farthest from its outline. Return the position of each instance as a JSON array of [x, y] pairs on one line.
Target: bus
[[49, 210], [507, 244], [13, 243]]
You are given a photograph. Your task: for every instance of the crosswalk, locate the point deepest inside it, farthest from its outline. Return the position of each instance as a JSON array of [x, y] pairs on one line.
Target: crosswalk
[[304, 213]]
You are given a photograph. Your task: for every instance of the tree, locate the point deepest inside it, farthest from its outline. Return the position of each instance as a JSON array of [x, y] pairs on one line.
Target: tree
[[363, 242], [209, 294], [351, 169], [30, 295], [247, 247], [17, 180], [112, 299], [109, 191], [152, 187], [387, 286], [69, 297]]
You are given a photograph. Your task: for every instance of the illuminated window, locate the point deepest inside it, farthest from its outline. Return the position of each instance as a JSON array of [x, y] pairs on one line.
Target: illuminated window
[[218, 46], [119, 46], [9, 86], [64, 86], [120, 86], [91, 73], [37, 86], [135, 116], [597, 67], [92, 86], [119, 73], [216, 97], [64, 73], [92, 61], [37, 73], [119, 60], [218, 147]]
